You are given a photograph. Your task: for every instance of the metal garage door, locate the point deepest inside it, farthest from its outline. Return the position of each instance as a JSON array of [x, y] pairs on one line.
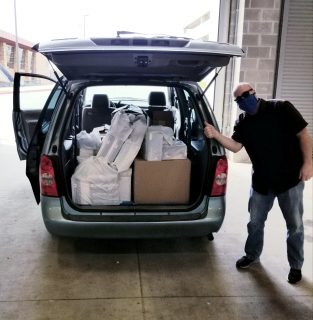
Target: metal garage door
[[295, 69]]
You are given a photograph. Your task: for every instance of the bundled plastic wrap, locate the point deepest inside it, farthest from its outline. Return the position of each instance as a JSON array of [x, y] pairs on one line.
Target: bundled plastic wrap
[[124, 181], [121, 128], [88, 144], [123, 141], [90, 140], [132, 145], [176, 150], [110, 147], [160, 144], [96, 183], [154, 139]]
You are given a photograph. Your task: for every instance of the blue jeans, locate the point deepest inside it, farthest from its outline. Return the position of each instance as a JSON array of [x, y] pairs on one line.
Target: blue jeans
[[291, 205]]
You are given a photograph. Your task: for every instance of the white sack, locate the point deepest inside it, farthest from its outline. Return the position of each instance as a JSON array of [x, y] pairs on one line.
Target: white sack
[[155, 139], [84, 154], [90, 140], [124, 181], [153, 146], [95, 183], [132, 145], [120, 129], [121, 125], [110, 147]]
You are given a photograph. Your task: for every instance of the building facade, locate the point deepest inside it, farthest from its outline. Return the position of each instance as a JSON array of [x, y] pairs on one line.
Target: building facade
[[255, 26], [29, 60]]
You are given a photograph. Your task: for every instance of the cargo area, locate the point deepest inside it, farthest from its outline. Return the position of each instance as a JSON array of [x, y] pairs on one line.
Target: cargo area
[[128, 152]]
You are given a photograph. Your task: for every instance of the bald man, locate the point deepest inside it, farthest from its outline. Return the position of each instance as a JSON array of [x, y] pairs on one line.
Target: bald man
[[277, 140]]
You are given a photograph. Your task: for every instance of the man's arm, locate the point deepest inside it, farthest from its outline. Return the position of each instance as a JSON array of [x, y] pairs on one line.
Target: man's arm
[[226, 142], [305, 141]]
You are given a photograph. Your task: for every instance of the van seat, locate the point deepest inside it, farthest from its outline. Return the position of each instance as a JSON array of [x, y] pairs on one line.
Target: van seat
[[158, 112], [98, 114], [157, 98]]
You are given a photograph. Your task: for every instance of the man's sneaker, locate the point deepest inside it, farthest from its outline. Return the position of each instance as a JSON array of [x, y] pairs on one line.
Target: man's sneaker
[[294, 276], [245, 262]]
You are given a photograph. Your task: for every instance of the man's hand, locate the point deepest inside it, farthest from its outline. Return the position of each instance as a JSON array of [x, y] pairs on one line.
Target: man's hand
[[228, 143], [306, 172], [210, 131]]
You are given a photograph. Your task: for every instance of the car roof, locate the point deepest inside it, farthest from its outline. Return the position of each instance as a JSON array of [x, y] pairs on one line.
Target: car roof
[[167, 58]]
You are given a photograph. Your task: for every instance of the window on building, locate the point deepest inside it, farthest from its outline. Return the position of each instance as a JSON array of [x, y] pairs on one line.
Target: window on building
[[29, 58], [33, 62], [22, 59], [10, 56]]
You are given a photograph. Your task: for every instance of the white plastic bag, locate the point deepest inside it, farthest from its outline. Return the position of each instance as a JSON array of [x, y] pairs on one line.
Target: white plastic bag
[[132, 145], [91, 141], [155, 139], [94, 182], [177, 150]]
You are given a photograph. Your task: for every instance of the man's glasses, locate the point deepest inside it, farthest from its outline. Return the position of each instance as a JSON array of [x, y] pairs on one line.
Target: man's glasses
[[244, 95]]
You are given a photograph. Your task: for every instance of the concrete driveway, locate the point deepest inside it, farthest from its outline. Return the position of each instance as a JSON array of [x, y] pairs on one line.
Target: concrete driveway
[[43, 277]]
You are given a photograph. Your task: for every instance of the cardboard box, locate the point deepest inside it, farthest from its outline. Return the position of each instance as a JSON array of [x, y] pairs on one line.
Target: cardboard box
[[161, 182]]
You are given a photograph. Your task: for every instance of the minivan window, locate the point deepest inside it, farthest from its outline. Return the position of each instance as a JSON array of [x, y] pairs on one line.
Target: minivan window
[[34, 95], [130, 94], [50, 109]]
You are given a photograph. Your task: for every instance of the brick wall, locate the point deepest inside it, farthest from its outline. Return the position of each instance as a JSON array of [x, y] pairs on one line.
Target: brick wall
[[259, 41], [229, 79], [260, 37]]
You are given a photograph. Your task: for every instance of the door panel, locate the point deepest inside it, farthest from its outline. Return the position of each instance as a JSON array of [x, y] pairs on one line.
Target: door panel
[[35, 99], [29, 119], [29, 98]]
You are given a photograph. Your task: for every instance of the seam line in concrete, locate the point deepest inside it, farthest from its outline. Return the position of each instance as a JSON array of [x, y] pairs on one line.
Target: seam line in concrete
[[153, 297], [140, 283]]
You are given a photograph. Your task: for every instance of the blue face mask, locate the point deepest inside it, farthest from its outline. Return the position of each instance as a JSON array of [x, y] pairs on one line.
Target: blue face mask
[[249, 104]]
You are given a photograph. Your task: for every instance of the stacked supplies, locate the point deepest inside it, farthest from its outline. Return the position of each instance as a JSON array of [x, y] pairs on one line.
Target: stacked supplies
[[105, 179], [160, 144], [88, 144]]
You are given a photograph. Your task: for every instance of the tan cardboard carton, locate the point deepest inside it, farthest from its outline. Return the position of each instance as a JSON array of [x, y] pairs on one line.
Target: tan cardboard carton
[[161, 182]]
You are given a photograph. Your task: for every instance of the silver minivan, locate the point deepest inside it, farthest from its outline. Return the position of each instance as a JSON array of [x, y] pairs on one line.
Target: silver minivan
[[96, 82]]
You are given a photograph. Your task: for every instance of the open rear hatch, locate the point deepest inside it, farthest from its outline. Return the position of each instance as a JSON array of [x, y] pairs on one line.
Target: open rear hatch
[[152, 58]]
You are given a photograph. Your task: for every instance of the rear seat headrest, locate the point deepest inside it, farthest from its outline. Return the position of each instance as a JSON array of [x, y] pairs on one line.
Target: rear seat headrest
[[157, 98], [100, 102]]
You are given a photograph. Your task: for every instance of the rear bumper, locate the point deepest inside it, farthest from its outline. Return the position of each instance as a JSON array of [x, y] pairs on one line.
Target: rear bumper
[[56, 223]]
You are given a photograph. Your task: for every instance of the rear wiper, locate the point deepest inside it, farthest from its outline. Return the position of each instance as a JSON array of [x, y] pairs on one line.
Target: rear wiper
[[212, 80]]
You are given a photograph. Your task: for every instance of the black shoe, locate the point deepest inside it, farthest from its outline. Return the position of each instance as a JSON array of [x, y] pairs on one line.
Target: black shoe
[[245, 262], [294, 275]]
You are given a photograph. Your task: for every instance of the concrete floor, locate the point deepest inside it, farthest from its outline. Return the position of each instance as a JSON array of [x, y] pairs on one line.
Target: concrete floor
[[42, 277]]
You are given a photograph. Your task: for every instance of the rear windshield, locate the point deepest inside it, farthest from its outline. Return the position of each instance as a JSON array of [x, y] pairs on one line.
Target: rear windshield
[[127, 94]]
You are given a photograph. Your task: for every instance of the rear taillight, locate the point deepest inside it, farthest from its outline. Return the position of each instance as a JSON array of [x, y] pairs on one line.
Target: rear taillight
[[48, 186], [220, 178]]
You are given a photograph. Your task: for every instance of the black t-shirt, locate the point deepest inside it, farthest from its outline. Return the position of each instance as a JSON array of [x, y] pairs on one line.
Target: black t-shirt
[[270, 140]]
